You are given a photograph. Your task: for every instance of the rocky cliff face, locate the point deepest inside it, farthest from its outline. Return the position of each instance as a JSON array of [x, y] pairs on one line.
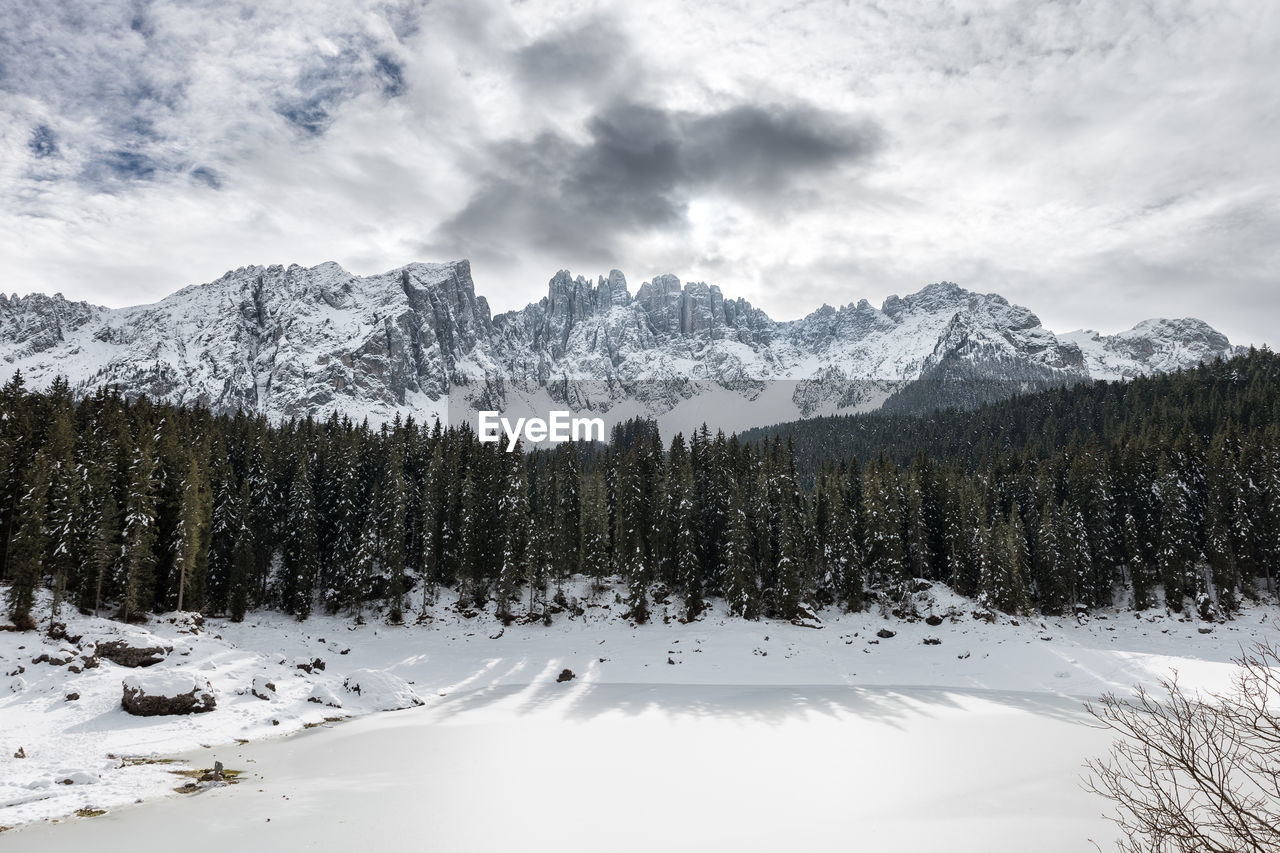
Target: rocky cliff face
[[294, 341]]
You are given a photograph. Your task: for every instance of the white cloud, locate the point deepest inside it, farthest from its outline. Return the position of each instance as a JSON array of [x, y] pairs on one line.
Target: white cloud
[[1098, 162]]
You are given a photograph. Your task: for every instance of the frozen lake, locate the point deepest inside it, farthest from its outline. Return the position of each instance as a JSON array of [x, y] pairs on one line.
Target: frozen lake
[[609, 766]]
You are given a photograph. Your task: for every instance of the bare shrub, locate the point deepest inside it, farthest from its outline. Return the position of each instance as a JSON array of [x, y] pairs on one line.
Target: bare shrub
[[1196, 771]]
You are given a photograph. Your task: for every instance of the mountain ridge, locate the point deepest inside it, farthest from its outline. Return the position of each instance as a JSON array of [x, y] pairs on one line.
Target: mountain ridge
[[296, 341]]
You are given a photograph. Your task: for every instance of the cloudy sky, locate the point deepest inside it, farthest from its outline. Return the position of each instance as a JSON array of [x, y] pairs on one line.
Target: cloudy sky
[[1099, 162]]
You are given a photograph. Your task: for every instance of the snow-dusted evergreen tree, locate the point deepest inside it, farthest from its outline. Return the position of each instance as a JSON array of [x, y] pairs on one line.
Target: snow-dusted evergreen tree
[[1004, 566], [1052, 574], [1176, 549], [470, 567], [15, 454], [1017, 564], [681, 566], [301, 556], [1271, 509], [65, 553], [629, 537], [964, 555], [191, 534], [224, 491], [341, 534], [837, 552], [168, 477], [1089, 492], [138, 542], [883, 517], [1140, 579], [712, 484], [788, 587], [567, 512], [513, 505], [740, 590], [924, 521], [541, 542], [594, 512], [243, 543], [364, 565], [29, 542], [264, 502], [432, 507], [1074, 539], [1256, 551], [390, 519]]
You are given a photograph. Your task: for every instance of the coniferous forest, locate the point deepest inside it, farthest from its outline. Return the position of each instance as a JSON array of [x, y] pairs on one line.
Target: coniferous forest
[[1160, 491]]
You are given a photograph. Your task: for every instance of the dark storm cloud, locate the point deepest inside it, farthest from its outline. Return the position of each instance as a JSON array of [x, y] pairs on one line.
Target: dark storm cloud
[[641, 165], [582, 56]]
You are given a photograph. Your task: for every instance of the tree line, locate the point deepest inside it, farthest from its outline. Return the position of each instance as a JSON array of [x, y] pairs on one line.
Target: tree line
[[126, 507], [1244, 391]]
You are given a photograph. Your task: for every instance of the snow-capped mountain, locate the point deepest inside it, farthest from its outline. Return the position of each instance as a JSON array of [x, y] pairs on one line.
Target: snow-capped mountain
[[296, 341]]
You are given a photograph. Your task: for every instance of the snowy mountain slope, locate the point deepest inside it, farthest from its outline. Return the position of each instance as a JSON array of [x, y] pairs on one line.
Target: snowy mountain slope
[[1152, 346], [296, 341]]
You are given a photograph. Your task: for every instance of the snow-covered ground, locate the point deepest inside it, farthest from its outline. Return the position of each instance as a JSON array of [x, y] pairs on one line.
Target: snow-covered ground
[[718, 734]]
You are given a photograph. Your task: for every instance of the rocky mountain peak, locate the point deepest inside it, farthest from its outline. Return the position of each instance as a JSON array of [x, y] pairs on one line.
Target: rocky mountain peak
[[292, 341]]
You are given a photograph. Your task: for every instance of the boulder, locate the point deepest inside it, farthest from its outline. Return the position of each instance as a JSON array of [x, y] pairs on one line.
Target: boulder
[[567, 675], [186, 621], [133, 649], [63, 656], [167, 693], [885, 633], [262, 688], [322, 695], [381, 691]]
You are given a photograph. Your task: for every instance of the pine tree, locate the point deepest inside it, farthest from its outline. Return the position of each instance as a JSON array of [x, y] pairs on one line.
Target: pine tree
[[1139, 571], [190, 536], [629, 538], [302, 542], [1017, 564], [393, 508], [594, 511], [567, 513], [65, 549], [29, 543], [340, 536], [243, 556], [541, 541], [1000, 565], [882, 510], [683, 568], [16, 453], [474, 530], [965, 555], [1176, 552], [263, 501], [514, 506], [1052, 572], [740, 590], [138, 543], [433, 503]]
